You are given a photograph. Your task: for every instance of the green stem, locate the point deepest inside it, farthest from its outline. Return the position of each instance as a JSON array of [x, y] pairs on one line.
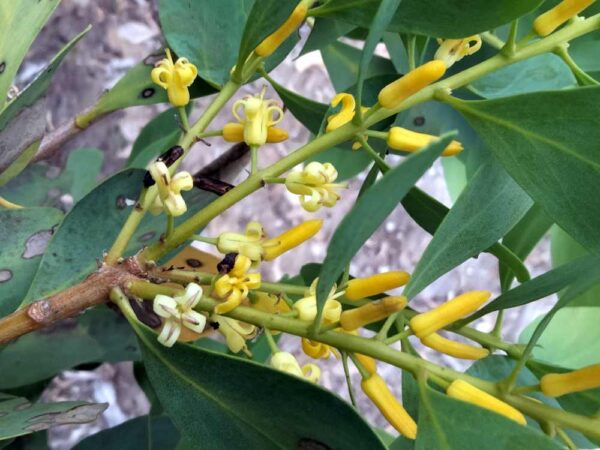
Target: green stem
[[147, 291], [511, 44], [170, 224], [385, 328], [274, 180], [526, 389], [348, 380], [509, 258], [411, 51], [497, 330], [210, 134], [364, 373], [184, 118], [398, 337], [566, 439], [271, 341], [583, 79], [383, 166], [254, 159], [493, 40], [207, 240]]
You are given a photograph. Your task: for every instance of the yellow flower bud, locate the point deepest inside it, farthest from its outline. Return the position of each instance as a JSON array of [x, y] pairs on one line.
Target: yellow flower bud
[[376, 389], [394, 93], [368, 363], [453, 50], [454, 349], [557, 384], [365, 287], [375, 311], [462, 390], [272, 42], [411, 141], [555, 17], [175, 78], [431, 321], [290, 239], [234, 132]]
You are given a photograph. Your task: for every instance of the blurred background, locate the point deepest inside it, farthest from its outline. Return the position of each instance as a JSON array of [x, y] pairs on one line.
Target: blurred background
[[123, 33]]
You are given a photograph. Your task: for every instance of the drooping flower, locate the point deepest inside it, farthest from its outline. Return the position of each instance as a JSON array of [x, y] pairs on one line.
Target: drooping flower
[[557, 384], [178, 312], [555, 17], [435, 319], [376, 389], [257, 115], [175, 78], [235, 285], [374, 311], [466, 392], [344, 115], [453, 348], [307, 306], [396, 92], [274, 40], [169, 189], [410, 141], [290, 239], [315, 181], [286, 362], [317, 350], [453, 50], [358, 288], [236, 333]]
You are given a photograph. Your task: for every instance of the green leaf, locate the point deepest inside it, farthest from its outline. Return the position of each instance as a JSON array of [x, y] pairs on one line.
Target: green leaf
[[157, 136], [23, 19], [146, 432], [23, 120], [19, 417], [244, 403], [376, 203], [557, 165], [99, 335], [523, 238], [448, 424], [488, 207], [323, 33], [23, 234], [37, 186], [84, 235], [540, 73], [436, 18], [397, 50], [265, 17]]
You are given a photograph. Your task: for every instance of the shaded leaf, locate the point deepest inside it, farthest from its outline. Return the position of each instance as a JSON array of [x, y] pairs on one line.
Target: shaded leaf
[[323, 33]]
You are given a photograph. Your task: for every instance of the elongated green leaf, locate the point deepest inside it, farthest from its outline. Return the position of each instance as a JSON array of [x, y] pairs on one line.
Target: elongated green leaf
[[489, 206], [437, 18], [18, 417], [23, 122], [99, 335], [544, 285], [25, 19], [376, 204], [23, 233], [522, 239], [323, 33], [146, 432], [263, 409], [265, 17], [447, 424], [84, 235], [557, 165]]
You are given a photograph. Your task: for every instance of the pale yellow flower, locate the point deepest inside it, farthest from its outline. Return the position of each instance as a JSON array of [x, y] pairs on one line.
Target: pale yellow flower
[[175, 78], [315, 185], [169, 189]]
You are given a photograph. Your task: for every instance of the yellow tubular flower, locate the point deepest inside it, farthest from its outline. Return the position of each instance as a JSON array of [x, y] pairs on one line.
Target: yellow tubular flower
[[375, 311], [431, 321], [272, 42], [368, 363], [454, 349], [555, 17], [344, 115], [390, 407], [394, 93], [557, 384], [411, 141], [236, 333], [365, 287], [290, 239], [235, 285], [169, 189], [257, 115], [234, 132], [453, 50], [286, 362], [175, 78], [315, 181], [462, 390]]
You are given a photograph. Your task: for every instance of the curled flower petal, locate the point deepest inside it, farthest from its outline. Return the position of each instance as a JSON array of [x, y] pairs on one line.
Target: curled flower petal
[[317, 181], [175, 78]]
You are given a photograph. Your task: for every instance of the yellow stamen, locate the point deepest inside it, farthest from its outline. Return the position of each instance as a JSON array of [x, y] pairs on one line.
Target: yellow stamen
[[454, 349], [431, 321], [557, 384], [365, 287], [394, 93], [555, 17], [411, 141], [272, 42], [371, 312], [462, 390]]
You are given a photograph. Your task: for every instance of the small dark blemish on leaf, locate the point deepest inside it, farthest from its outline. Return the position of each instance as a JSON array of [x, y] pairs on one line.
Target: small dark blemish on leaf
[[147, 236], [120, 203], [2, 67], [311, 444], [5, 275], [148, 92], [419, 121], [214, 325], [193, 262]]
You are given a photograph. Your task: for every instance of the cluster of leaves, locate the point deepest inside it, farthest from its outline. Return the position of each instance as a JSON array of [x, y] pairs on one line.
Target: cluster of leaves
[[531, 164]]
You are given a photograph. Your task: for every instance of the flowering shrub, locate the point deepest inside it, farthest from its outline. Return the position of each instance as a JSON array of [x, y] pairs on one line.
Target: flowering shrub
[[509, 96]]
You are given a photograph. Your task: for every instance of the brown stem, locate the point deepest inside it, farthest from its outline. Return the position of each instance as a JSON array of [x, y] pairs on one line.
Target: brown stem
[[92, 291]]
